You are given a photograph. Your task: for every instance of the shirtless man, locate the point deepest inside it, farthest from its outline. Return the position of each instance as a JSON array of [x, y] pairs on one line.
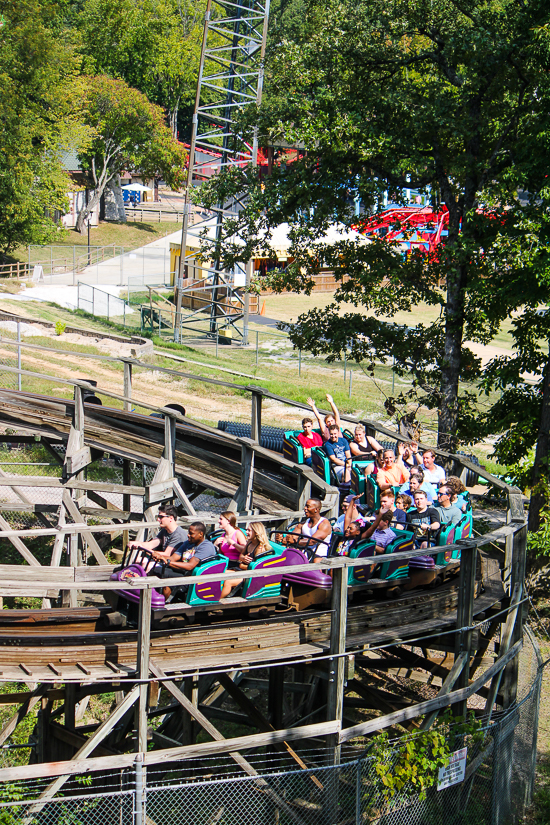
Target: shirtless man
[[315, 526]]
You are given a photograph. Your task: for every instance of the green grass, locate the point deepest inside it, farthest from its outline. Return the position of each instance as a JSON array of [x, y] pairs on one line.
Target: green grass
[[129, 235]]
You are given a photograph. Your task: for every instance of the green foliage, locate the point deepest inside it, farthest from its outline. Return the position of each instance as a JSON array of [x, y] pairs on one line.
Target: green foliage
[[450, 101], [126, 132], [154, 46], [410, 766], [60, 327], [409, 769], [37, 121]]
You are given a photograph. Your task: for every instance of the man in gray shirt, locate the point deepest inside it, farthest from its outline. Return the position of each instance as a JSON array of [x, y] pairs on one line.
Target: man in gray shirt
[[169, 538], [448, 513]]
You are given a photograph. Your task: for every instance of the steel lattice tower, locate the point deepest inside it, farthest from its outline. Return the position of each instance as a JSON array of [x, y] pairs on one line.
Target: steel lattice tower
[[230, 79]]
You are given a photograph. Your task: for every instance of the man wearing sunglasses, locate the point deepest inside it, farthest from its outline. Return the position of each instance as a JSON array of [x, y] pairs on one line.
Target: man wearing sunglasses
[[448, 513], [169, 538]]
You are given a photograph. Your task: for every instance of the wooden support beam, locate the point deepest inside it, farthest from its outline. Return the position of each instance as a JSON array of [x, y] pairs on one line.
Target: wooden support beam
[[243, 501], [510, 675], [170, 443], [29, 703], [459, 665], [127, 404], [465, 614], [374, 725], [76, 515], [144, 642], [337, 665], [256, 417], [19, 545], [70, 705]]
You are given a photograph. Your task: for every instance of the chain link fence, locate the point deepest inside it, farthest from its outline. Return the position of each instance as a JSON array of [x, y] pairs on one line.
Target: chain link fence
[[495, 788]]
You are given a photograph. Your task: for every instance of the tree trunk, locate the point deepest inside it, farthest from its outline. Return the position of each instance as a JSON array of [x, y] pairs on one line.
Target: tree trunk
[[174, 119], [539, 488], [450, 371], [88, 208]]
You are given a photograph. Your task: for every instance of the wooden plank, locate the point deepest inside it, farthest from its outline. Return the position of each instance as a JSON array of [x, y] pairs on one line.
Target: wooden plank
[[159, 491], [90, 745], [338, 624], [364, 728], [457, 668], [77, 517], [78, 460], [57, 483], [19, 546], [30, 702]]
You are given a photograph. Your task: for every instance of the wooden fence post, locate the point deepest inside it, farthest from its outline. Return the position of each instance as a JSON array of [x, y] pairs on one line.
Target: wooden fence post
[[256, 417], [144, 640], [465, 615], [337, 665], [127, 385]]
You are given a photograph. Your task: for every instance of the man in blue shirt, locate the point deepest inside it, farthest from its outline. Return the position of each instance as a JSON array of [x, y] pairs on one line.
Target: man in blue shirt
[[417, 482], [339, 454]]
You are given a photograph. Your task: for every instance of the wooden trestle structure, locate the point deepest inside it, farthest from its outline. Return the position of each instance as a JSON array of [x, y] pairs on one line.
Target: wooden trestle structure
[[307, 663]]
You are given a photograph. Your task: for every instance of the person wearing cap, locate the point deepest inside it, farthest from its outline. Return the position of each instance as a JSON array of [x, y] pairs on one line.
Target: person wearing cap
[[350, 512]]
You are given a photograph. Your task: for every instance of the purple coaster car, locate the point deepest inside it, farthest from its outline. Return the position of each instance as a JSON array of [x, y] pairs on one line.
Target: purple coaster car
[[136, 571], [315, 577]]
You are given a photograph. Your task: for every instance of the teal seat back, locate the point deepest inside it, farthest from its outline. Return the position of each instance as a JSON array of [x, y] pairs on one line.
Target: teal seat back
[[321, 464], [206, 592], [264, 587], [395, 569], [360, 575]]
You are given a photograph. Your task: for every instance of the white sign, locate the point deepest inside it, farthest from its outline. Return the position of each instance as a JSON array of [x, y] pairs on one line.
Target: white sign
[[454, 772], [37, 273]]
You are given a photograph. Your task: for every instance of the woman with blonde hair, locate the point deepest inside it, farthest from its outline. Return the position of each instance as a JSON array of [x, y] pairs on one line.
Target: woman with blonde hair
[[363, 445], [257, 543], [233, 540]]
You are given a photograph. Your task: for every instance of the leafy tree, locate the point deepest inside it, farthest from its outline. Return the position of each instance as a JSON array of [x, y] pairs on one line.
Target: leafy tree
[[522, 412], [127, 132], [443, 96], [36, 121], [154, 46]]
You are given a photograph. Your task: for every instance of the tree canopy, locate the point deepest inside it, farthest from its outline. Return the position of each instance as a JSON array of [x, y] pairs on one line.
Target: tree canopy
[[37, 69], [126, 132], [445, 97], [154, 46]]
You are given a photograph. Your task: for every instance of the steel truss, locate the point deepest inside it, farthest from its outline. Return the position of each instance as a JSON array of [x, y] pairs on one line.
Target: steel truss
[[230, 79]]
